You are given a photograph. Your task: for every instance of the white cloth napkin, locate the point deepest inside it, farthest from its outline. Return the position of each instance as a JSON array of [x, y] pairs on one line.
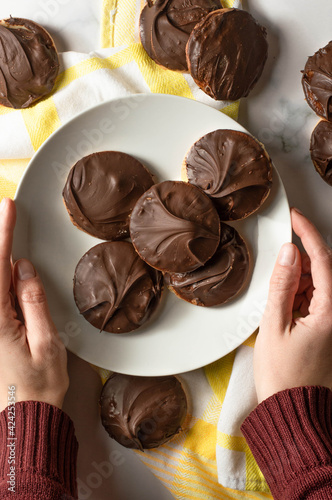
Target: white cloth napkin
[[88, 81], [236, 466]]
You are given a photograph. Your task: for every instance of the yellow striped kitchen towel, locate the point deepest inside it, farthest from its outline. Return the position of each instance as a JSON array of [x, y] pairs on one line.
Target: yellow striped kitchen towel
[[186, 466]]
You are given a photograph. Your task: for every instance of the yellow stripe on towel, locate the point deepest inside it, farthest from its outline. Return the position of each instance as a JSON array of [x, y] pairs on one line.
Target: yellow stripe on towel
[[41, 120], [107, 25], [213, 373], [125, 16], [160, 80]]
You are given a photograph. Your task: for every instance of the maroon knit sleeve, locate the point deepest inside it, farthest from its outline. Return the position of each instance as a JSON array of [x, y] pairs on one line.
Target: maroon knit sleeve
[[38, 453], [290, 436]]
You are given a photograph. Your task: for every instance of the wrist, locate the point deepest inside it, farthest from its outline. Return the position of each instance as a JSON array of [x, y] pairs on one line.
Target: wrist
[[38, 439], [290, 435]]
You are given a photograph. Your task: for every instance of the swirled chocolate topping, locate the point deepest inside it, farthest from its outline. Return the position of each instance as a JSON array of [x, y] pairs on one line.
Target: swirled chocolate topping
[[101, 191], [233, 169], [175, 227], [321, 149], [114, 289], [226, 53], [317, 82], [28, 63], [220, 279], [142, 412], [165, 26]]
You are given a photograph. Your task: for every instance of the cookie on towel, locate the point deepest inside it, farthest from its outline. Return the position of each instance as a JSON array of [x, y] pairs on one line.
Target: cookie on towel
[[165, 26], [143, 412], [29, 62]]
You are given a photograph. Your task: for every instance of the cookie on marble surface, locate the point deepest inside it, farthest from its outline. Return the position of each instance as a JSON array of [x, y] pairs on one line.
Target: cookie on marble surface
[[226, 53]]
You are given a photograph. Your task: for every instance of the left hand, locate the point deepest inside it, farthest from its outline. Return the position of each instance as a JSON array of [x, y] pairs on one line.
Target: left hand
[[32, 355]]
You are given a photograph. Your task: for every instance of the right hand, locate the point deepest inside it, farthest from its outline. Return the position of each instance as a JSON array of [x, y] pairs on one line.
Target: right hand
[[32, 355], [292, 353]]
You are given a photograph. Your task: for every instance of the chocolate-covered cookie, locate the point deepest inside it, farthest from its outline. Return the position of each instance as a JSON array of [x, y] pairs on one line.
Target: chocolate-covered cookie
[[101, 191], [317, 81], [220, 279], [226, 53], [165, 26], [29, 62], [175, 227], [143, 412], [233, 169], [321, 149], [114, 289]]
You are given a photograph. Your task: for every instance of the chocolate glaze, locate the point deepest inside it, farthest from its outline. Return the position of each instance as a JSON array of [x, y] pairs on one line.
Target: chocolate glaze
[[28, 62], [321, 149], [114, 289], [142, 412], [101, 191], [165, 26], [175, 227], [317, 81], [233, 169], [220, 279], [226, 53]]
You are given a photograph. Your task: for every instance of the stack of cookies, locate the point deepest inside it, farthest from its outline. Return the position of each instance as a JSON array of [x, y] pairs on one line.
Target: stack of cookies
[[317, 86], [178, 229]]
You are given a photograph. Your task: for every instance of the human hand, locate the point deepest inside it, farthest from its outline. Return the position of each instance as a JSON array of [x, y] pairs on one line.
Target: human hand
[[32, 355], [292, 353]]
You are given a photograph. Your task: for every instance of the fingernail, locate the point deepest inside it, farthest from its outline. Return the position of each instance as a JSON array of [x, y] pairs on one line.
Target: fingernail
[[3, 204], [297, 210], [25, 270], [287, 255]]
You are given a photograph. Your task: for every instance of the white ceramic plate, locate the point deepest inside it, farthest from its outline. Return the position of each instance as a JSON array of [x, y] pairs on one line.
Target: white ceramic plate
[[158, 130]]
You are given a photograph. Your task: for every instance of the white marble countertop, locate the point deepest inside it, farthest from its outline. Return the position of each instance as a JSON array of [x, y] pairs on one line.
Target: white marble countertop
[[275, 112]]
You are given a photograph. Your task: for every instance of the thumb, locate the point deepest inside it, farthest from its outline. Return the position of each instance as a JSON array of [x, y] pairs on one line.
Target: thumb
[[284, 284], [32, 299]]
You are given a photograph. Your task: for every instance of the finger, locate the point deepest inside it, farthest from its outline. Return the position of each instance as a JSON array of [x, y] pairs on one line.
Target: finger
[[319, 252], [309, 293], [305, 283], [32, 300], [306, 264], [301, 305], [7, 223], [304, 308], [283, 287]]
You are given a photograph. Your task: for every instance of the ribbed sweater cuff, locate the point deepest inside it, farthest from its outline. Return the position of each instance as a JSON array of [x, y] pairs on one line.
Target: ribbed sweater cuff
[[290, 436], [45, 445]]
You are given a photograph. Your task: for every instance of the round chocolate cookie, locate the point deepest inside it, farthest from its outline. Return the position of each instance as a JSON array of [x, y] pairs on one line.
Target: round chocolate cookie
[[220, 279], [101, 190], [226, 53], [233, 169], [175, 227], [321, 149], [317, 82], [114, 289], [29, 62], [143, 412], [165, 26]]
